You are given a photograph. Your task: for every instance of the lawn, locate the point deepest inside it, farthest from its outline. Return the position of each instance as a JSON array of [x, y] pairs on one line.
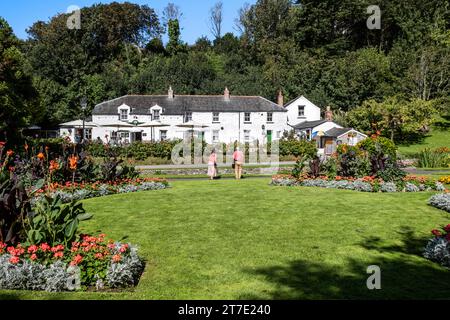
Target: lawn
[[247, 240], [439, 137]]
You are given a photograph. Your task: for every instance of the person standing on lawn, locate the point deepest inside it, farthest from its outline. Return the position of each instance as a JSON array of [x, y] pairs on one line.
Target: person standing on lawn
[[212, 165], [238, 158]]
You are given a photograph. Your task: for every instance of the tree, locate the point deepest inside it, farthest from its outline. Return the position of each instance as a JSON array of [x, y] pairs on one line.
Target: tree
[[171, 12], [18, 97], [216, 20], [174, 45], [397, 118]]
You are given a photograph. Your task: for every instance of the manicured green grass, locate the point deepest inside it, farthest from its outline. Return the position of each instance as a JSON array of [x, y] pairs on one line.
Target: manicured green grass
[[437, 138], [245, 239]]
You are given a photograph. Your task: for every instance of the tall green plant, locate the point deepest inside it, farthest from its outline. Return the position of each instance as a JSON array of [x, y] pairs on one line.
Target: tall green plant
[[53, 222]]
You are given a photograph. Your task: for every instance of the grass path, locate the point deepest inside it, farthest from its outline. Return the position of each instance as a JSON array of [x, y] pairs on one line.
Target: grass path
[[238, 240]]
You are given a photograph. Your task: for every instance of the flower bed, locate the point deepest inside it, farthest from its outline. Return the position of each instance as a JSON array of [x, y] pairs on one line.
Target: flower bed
[[441, 201], [365, 184], [91, 262], [79, 191]]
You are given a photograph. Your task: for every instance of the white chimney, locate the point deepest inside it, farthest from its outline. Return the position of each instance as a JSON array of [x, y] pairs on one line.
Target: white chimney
[[170, 93]]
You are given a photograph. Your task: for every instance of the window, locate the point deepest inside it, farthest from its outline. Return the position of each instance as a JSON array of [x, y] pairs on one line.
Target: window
[[124, 135], [308, 134], [247, 117], [114, 135], [156, 115], [215, 136], [163, 135], [278, 134], [269, 116], [216, 117], [88, 134], [123, 114], [301, 111], [188, 117], [247, 135]]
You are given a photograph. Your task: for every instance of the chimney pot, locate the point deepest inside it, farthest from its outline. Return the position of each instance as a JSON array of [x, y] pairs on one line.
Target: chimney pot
[[170, 93], [280, 99], [329, 114], [226, 94]]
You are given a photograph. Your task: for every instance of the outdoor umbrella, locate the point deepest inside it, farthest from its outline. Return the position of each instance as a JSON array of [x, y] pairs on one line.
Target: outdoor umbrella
[[192, 125], [153, 125]]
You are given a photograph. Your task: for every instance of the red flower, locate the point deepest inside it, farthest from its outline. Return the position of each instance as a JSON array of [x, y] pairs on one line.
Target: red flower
[[33, 249], [9, 153], [58, 255], [437, 233], [45, 247], [447, 228], [14, 260], [2, 144], [98, 256], [76, 260], [117, 258], [123, 248], [33, 257]]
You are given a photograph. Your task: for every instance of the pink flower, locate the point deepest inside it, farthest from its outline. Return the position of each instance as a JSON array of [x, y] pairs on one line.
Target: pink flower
[[33, 249], [76, 260], [58, 255], [14, 260], [45, 247], [33, 257]]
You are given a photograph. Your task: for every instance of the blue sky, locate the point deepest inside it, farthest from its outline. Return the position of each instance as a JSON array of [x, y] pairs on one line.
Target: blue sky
[[21, 14]]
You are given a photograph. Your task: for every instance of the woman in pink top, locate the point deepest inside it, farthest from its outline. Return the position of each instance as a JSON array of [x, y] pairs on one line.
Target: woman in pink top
[[238, 158], [212, 165]]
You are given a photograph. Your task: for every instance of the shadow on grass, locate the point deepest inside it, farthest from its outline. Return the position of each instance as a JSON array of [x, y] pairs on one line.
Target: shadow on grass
[[410, 243], [404, 275]]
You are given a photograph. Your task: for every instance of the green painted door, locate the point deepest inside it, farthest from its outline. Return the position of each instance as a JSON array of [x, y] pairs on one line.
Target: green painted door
[[269, 136]]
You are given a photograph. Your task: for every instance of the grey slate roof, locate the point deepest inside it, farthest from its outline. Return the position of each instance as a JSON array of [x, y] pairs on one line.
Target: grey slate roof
[[180, 104], [337, 132], [308, 124]]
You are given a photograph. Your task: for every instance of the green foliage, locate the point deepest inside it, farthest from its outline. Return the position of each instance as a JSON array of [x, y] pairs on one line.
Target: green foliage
[[53, 222], [297, 148], [433, 158], [18, 104], [352, 162]]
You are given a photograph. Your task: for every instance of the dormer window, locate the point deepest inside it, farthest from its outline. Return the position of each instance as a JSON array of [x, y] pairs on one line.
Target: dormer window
[[156, 115], [123, 114]]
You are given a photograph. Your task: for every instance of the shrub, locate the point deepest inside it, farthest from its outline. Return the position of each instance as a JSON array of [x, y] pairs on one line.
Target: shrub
[[438, 248], [352, 163], [388, 187], [410, 187], [441, 201]]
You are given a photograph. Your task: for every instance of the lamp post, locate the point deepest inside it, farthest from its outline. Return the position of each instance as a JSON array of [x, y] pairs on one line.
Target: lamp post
[[83, 108]]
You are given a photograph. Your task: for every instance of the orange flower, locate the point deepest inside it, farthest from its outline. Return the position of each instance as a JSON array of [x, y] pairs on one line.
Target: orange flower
[[54, 165], [9, 153], [41, 156], [26, 147], [47, 148], [2, 144], [73, 162]]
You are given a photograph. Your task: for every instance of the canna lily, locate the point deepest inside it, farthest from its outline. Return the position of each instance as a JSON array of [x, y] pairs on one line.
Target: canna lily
[[41, 156], [73, 162]]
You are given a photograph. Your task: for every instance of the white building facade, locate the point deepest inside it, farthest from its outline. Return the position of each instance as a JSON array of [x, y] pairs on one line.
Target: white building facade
[[215, 119]]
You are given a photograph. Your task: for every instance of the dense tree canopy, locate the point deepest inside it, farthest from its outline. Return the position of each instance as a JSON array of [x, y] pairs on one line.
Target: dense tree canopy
[[18, 98], [320, 49]]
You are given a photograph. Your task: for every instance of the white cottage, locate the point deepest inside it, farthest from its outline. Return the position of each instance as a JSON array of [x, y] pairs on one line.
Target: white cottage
[[223, 118], [215, 118]]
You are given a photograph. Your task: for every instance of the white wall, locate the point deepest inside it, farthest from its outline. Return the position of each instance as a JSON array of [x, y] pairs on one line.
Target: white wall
[[233, 125], [312, 112]]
